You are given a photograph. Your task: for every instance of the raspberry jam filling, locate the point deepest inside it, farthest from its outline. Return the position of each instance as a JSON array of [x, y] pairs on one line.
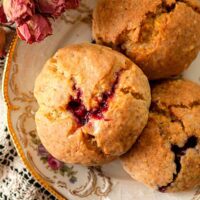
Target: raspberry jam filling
[[80, 112], [179, 152], [78, 109]]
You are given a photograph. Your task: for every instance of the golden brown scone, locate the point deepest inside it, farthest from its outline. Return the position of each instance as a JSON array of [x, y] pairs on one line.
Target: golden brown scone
[[93, 103], [160, 36], [167, 154]]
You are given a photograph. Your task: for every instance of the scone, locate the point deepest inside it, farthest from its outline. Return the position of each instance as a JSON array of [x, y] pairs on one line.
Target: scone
[[93, 104], [166, 157], [160, 36]]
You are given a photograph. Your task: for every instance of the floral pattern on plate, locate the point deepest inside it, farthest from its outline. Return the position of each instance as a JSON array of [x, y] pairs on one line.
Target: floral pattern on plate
[[65, 181]]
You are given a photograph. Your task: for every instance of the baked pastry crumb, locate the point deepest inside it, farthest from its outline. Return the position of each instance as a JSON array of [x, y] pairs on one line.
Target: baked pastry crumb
[[166, 157], [160, 36], [93, 104]]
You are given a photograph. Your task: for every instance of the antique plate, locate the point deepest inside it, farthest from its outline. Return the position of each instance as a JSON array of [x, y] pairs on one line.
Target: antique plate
[[23, 64]]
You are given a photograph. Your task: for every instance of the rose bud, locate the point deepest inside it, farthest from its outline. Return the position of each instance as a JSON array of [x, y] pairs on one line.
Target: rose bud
[[72, 4], [18, 10], [42, 151], [3, 18], [52, 7], [35, 29], [54, 163]]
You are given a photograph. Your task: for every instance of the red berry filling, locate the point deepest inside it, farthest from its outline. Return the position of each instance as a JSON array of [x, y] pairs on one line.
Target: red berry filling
[[78, 109], [81, 113], [179, 152]]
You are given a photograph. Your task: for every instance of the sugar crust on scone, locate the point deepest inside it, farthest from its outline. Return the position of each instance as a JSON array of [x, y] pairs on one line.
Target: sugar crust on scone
[[166, 157], [93, 104], [160, 36]]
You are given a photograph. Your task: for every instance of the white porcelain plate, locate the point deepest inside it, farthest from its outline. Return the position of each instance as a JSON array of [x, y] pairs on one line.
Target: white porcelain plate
[[24, 62]]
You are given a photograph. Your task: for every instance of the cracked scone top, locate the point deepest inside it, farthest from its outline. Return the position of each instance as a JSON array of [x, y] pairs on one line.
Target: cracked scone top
[[93, 104], [160, 36], [166, 157]]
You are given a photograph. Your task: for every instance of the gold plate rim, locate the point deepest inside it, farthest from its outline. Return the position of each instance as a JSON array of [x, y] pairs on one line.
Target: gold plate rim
[[10, 108], [5, 82]]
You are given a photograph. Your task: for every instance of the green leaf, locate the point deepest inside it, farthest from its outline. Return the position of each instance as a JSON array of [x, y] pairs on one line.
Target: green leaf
[[35, 141], [44, 159], [32, 134], [62, 173], [65, 168]]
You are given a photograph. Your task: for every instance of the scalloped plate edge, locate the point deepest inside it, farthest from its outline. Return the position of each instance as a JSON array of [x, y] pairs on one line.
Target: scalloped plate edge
[[10, 108]]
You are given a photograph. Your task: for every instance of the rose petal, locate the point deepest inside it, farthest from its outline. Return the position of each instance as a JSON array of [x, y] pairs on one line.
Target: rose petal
[[35, 29], [72, 4], [52, 7], [18, 10], [3, 18]]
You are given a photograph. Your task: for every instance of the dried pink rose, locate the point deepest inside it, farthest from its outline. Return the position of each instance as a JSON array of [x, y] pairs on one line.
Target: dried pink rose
[[72, 4], [53, 163], [35, 29], [3, 18], [52, 7], [18, 10], [31, 17]]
